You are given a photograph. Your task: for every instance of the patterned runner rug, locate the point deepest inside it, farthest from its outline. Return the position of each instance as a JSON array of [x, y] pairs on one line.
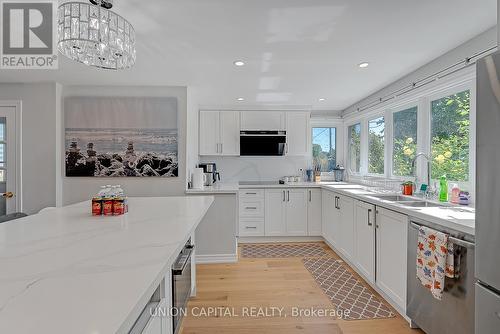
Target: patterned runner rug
[[282, 250], [346, 291]]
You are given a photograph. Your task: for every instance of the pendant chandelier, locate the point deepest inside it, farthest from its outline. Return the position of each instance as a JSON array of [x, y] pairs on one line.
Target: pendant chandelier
[[92, 34]]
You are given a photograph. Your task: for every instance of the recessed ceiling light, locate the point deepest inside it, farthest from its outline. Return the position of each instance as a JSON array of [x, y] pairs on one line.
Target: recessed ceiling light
[[240, 99], [363, 65], [239, 63], [321, 99]]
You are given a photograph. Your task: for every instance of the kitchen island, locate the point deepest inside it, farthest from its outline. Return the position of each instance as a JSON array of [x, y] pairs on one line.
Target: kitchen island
[[64, 271]]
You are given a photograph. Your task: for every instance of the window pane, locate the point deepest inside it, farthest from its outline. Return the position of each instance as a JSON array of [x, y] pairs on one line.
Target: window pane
[[2, 152], [404, 147], [324, 153], [450, 136], [376, 146], [2, 128], [355, 147]]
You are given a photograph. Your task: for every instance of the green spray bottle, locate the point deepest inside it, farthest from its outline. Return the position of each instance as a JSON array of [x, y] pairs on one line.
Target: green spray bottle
[[443, 189]]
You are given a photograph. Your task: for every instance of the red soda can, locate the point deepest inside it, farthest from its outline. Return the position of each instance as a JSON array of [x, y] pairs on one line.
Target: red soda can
[[96, 206], [118, 206], [107, 207]]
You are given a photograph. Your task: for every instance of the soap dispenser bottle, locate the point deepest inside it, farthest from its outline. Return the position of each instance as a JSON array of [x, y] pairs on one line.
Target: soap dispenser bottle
[[443, 189]]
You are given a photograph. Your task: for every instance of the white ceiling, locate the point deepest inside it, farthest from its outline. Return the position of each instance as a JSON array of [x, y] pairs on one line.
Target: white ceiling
[[295, 51]]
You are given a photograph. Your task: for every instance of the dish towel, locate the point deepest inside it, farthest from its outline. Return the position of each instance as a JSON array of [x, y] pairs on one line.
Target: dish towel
[[434, 260]]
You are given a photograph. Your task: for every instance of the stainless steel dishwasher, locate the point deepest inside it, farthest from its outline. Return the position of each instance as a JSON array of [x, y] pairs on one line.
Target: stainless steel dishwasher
[[454, 314]]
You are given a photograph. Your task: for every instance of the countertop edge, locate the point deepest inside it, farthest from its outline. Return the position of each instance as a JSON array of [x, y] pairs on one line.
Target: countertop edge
[[141, 304]]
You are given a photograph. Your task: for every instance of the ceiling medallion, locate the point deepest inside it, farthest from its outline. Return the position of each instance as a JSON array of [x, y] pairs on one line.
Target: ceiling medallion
[[92, 34]]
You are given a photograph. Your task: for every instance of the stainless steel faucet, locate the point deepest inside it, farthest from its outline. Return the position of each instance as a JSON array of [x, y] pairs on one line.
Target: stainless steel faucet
[[428, 167]]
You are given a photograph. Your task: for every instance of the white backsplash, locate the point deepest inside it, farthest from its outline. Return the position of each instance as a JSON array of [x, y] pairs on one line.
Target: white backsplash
[[234, 169]]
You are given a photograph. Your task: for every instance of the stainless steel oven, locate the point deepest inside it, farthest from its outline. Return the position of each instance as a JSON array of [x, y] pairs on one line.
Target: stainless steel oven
[[262, 143], [181, 284], [454, 314]]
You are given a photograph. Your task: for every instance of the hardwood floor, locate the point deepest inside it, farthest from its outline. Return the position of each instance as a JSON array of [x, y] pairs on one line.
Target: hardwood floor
[[264, 283]]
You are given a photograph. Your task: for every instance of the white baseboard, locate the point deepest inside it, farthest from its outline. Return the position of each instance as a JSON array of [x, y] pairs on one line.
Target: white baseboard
[[243, 240], [216, 258]]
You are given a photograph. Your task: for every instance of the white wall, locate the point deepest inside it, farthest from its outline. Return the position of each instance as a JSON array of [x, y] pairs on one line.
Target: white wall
[[77, 189], [39, 141], [234, 169], [481, 42], [192, 141]]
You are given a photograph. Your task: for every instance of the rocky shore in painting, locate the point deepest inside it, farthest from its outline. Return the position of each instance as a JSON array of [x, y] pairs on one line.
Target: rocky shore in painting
[[128, 163]]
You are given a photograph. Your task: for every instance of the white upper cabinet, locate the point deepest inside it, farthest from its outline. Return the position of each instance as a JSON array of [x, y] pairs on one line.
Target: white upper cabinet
[[298, 136], [229, 132], [219, 133], [209, 133], [263, 120]]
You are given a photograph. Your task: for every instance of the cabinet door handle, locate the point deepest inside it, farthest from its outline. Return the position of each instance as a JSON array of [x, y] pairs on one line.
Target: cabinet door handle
[[221, 150], [369, 222], [283, 195], [251, 208], [288, 193], [310, 195]]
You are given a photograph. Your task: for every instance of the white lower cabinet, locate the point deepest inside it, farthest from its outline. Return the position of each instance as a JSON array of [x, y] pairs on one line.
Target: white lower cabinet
[[391, 234], [346, 236], [285, 212], [364, 228], [155, 324], [330, 216], [314, 212]]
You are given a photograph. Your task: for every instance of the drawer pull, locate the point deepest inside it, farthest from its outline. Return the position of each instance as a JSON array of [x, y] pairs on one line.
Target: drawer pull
[[251, 208], [250, 193], [250, 227]]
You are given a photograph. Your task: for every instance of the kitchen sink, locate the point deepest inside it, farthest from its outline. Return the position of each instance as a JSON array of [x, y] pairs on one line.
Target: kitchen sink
[[394, 198], [420, 204]]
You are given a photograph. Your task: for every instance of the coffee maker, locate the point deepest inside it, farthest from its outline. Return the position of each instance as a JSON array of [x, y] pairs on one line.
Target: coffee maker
[[210, 170]]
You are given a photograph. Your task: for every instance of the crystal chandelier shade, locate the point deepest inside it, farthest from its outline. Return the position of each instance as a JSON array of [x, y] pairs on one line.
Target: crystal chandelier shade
[[95, 36]]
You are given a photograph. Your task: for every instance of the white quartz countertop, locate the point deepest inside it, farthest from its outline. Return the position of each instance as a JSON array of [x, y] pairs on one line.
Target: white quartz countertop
[[64, 271], [216, 188], [459, 218]]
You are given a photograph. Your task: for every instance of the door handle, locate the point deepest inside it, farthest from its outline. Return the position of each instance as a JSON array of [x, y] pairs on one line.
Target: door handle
[[288, 195], [283, 195], [8, 194], [369, 222], [221, 150], [310, 195]]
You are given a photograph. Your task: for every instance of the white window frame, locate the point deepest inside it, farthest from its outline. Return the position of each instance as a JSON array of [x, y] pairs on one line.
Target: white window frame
[[390, 140], [367, 164], [348, 147], [338, 124], [469, 185], [422, 98]]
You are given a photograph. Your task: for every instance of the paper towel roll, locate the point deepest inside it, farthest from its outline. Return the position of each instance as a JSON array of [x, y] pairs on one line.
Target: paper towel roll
[[198, 178]]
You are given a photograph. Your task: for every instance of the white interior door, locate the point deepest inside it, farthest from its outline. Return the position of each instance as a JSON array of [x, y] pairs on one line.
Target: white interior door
[[9, 196]]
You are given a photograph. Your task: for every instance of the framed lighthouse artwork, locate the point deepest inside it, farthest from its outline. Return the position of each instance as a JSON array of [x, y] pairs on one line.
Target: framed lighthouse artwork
[[121, 136]]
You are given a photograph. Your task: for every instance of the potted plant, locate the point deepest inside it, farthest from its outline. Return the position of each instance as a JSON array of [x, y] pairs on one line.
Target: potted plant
[[407, 188]]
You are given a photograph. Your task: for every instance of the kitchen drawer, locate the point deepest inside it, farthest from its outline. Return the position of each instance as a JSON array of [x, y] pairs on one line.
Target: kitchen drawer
[[251, 227], [251, 193], [251, 207]]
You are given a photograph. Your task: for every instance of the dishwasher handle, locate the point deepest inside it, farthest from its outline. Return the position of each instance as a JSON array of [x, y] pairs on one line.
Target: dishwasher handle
[[182, 261], [456, 241]]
